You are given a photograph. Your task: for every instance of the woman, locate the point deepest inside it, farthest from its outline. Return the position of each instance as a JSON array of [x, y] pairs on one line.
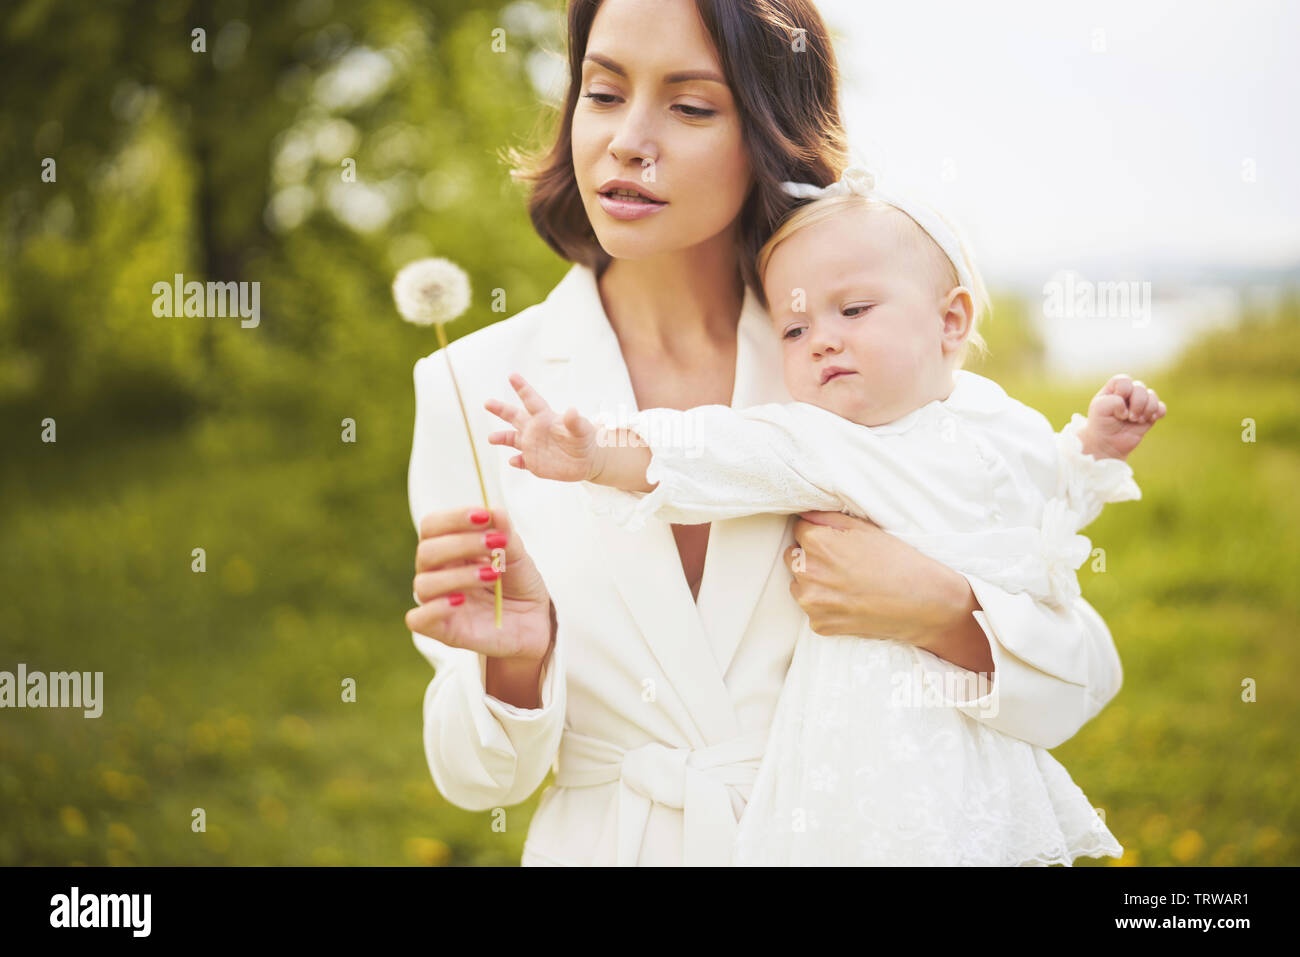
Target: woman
[[646, 666]]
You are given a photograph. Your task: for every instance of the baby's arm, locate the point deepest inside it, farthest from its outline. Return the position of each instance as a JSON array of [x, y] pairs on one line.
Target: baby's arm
[[702, 465], [1092, 470], [1118, 417], [568, 447]]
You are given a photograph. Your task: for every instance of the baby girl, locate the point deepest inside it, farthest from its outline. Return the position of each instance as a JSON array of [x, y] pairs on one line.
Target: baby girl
[[876, 301]]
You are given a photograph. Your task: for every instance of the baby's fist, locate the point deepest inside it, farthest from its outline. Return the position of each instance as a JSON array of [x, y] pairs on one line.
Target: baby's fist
[[1118, 416]]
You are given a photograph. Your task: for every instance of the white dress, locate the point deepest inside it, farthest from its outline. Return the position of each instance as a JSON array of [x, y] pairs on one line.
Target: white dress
[[868, 761]]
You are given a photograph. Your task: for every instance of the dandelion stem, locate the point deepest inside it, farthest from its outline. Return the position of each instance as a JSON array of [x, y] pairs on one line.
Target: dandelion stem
[[478, 469]]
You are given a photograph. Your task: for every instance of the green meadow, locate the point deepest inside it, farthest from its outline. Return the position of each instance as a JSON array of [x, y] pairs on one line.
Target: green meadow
[[223, 690]]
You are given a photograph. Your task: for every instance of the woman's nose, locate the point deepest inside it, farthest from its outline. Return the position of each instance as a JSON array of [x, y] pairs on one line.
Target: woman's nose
[[634, 139]]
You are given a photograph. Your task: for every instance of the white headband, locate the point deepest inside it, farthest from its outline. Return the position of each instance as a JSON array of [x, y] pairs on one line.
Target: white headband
[[862, 182]]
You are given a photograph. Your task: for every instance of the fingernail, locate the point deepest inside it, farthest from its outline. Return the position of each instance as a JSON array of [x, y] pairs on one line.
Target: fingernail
[[480, 516], [455, 598], [495, 539], [487, 574]]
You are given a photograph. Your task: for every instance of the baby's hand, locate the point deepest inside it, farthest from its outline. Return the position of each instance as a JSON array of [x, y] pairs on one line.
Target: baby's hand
[[1118, 416], [552, 446]]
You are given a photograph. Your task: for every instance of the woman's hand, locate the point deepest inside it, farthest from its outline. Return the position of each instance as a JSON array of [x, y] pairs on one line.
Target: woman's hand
[[454, 586], [853, 578]]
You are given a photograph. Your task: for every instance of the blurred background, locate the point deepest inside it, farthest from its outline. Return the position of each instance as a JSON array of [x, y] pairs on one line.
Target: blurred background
[[1125, 176]]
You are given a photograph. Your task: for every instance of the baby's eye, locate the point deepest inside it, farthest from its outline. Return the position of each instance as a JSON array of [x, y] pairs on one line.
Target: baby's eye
[[793, 332], [856, 310]]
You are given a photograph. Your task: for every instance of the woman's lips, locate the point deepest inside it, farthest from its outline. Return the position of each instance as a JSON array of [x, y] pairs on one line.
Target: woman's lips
[[625, 209]]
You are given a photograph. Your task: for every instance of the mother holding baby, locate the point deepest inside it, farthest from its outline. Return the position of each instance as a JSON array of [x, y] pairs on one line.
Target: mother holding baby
[[646, 666]]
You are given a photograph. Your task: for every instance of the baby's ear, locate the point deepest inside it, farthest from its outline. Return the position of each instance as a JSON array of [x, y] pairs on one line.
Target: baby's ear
[[958, 313]]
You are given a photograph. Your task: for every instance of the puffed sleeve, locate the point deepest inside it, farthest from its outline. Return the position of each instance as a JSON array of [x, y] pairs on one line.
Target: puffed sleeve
[[1055, 668], [713, 463], [1055, 662], [1088, 483], [482, 752]]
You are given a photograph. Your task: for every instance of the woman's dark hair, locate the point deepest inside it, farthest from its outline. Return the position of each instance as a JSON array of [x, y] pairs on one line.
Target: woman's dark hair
[[777, 58]]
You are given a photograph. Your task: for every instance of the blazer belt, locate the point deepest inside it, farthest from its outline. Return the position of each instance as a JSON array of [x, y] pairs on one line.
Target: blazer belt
[[693, 780]]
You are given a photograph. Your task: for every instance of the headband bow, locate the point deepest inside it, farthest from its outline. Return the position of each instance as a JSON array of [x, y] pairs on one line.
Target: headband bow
[[860, 181]]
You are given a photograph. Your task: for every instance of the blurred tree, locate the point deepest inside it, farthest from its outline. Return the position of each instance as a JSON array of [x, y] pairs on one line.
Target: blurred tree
[[310, 146]]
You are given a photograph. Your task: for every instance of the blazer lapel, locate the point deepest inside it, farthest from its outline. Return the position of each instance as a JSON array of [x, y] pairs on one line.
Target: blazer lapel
[[743, 551], [584, 367]]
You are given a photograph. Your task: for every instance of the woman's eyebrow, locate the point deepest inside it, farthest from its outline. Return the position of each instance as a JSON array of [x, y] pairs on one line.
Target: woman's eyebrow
[[684, 76]]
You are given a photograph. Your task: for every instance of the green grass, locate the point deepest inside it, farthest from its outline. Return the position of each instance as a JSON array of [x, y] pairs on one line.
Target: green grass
[[222, 689]]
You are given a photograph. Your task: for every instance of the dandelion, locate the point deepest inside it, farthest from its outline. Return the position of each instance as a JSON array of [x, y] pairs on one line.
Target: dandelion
[[432, 292]]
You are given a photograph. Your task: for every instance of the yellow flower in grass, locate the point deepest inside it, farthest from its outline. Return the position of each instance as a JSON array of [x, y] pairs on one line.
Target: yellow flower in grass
[[203, 737], [236, 734], [1187, 847], [346, 793], [1155, 829], [73, 821], [238, 577], [149, 712], [294, 731], [120, 835], [273, 810], [1266, 838], [216, 839], [1226, 856], [327, 857], [1132, 858], [427, 851]]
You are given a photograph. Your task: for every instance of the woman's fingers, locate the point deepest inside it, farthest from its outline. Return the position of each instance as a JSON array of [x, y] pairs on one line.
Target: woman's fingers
[[445, 522], [453, 537], [455, 580], [430, 618]]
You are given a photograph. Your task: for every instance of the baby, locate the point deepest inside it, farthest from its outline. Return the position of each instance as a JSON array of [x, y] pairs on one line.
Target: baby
[[876, 302]]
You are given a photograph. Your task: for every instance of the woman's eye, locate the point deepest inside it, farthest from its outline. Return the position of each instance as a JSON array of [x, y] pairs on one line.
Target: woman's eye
[[694, 112]]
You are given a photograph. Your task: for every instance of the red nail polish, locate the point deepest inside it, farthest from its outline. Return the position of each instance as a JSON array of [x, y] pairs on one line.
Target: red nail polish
[[487, 573], [495, 539], [456, 598], [480, 516]]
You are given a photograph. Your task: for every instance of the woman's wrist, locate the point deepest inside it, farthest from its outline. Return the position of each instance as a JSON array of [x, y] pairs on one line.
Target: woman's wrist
[[517, 680], [951, 632]]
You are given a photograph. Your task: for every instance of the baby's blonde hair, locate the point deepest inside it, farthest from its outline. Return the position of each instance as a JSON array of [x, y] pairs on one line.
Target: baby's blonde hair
[[944, 273]]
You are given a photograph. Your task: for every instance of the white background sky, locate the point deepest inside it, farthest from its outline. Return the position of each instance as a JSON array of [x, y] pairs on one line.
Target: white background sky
[[1062, 158]]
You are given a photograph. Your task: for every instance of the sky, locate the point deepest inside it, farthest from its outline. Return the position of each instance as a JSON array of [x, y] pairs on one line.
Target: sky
[[1099, 136]]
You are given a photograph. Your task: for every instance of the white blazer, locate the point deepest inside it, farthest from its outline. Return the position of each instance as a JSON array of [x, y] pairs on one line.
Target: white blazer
[[655, 709]]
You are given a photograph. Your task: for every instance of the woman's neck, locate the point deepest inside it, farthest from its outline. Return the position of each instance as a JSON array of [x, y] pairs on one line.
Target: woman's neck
[[674, 304]]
